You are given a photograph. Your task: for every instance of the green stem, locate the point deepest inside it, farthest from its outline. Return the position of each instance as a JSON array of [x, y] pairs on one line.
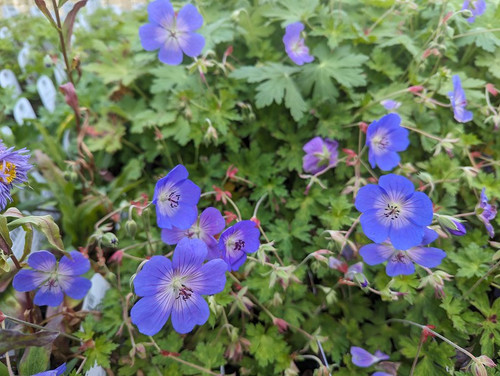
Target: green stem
[[42, 328]]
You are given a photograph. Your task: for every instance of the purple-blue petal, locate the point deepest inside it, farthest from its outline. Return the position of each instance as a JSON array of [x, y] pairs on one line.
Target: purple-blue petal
[[429, 236], [153, 276], [43, 261], [28, 280], [374, 254], [170, 52], [211, 221], [420, 207], [211, 279], [426, 256], [172, 236], [188, 313], [151, 313], [191, 44], [369, 197], [189, 255], [396, 185], [362, 358], [189, 19], [48, 296], [398, 139], [76, 287], [152, 36], [161, 12], [184, 217], [404, 234], [372, 227], [399, 266], [77, 265], [388, 160]]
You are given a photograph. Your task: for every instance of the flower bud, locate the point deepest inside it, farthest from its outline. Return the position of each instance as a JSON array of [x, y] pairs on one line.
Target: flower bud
[[451, 225], [2, 317], [477, 366], [131, 228], [109, 240], [281, 324]]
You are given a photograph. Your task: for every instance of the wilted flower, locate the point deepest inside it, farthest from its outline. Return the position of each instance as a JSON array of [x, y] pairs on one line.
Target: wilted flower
[[477, 7], [14, 167], [320, 154], [295, 46], [176, 287], [384, 138], [486, 212], [56, 372], [362, 358], [237, 241], [436, 280], [389, 104], [53, 279], [392, 209], [175, 198], [458, 101], [171, 32], [477, 366], [210, 223], [401, 262]]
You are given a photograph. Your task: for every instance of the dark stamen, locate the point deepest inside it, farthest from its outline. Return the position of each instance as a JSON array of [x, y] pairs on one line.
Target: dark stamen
[[174, 199], [239, 245], [392, 211], [185, 292]]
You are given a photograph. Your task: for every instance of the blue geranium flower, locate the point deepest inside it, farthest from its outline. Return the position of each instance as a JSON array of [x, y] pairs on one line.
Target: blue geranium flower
[[295, 46], [477, 7], [176, 198], [210, 223], [401, 262], [458, 102], [175, 288], [362, 358], [172, 33], [53, 280], [384, 138], [55, 372], [320, 154], [389, 104], [237, 241], [393, 210], [486, 212], [14, 168]]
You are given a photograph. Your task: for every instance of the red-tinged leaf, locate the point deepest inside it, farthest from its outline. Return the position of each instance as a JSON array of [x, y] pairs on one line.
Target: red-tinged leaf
[[70, 21], [13, 339], [70, 96], [43, 8]]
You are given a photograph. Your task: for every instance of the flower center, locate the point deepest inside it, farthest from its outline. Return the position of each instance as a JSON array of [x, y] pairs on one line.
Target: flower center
[[184, 292], [298, 46], [324, 157], [239, 245], [380, 142], [7, 172], [398, 257], [171, 198], [392, 211]]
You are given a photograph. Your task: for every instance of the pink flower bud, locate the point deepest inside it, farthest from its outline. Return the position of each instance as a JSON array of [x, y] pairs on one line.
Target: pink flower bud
[[281, 324], [415, 89]]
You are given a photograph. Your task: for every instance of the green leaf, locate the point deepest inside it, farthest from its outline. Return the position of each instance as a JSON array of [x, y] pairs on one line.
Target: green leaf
[[34, 361], [100, 353], [44, 224], [276, 85], [472, 260], [266, 345]]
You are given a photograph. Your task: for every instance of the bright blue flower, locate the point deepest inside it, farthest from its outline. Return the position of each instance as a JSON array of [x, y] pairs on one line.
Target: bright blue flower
[[295, 46], [362, 358], [176, 198], [172, 33], [55, 372], [14, 168], [393, 210], [477, 7], [458, 102], [486, 212], [384, 138], [237, 241], [175, 288], [53, 279], [389, 104], [210, 223], [401, 262], [320, 154]]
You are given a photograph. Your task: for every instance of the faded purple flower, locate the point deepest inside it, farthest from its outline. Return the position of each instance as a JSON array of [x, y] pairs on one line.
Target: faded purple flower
[[173, 33], [486, 212], [458, 101], [176, 198], [401, 262], [53, 279], [392, 209], [389, 104], [362, 358], [210, 223], [477, 7], [14, 168], [384, 138], [237, 241], [55, 372], [175, 288], [355, 273], [320, 154], [295, 46]]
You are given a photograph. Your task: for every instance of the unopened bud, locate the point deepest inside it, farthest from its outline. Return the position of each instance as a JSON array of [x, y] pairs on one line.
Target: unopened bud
[[281, 324], [131, 228], [109, 240], [451, 225], [478, 368], [141, 350]]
